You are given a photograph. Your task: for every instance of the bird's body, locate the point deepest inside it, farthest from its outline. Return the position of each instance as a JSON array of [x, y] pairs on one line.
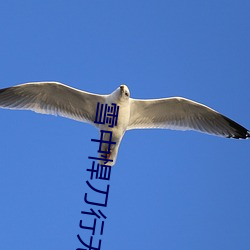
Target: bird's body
[[167, 113], [119, 130]]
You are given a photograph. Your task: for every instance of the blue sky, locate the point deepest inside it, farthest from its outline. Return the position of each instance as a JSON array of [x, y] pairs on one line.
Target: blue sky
[[169, 189]]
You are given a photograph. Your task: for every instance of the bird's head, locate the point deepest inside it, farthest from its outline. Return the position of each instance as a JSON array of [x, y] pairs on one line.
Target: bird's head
[[121, 94], [124, 91]]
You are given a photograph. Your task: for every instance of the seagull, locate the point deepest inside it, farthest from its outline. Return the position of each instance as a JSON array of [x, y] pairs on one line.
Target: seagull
[[175, 113]]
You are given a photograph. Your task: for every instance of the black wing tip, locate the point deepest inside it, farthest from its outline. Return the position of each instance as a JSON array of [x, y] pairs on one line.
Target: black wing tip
[[240, 136], [239, 131]]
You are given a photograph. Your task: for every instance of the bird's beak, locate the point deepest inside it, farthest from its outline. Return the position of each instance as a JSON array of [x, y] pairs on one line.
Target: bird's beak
[[121, 89]]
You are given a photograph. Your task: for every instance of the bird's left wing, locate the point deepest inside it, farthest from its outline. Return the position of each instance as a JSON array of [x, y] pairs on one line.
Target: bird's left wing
[[182, 114], [52, 98]]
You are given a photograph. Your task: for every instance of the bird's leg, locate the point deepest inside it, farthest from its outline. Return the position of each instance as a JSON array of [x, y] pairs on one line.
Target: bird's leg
[[108, 154]]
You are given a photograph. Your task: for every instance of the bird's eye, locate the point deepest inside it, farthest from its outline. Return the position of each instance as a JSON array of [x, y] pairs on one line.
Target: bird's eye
[[126, 93]]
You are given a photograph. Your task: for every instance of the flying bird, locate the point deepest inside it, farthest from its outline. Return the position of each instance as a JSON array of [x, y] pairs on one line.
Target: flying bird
[[175, 113]]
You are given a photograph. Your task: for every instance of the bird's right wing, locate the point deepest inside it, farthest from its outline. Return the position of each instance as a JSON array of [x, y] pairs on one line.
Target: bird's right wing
[[182, 114], [52, 98]]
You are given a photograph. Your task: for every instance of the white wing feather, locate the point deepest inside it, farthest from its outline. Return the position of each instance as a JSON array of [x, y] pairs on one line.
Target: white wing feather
[[182, 114], [52, 98]]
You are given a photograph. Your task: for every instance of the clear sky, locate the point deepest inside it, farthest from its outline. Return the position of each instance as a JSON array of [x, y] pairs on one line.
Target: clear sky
[[169, 189]]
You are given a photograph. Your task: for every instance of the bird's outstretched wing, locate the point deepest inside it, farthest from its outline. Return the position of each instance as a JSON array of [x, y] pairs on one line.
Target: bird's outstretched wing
[[182, 114], [52, 98]]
